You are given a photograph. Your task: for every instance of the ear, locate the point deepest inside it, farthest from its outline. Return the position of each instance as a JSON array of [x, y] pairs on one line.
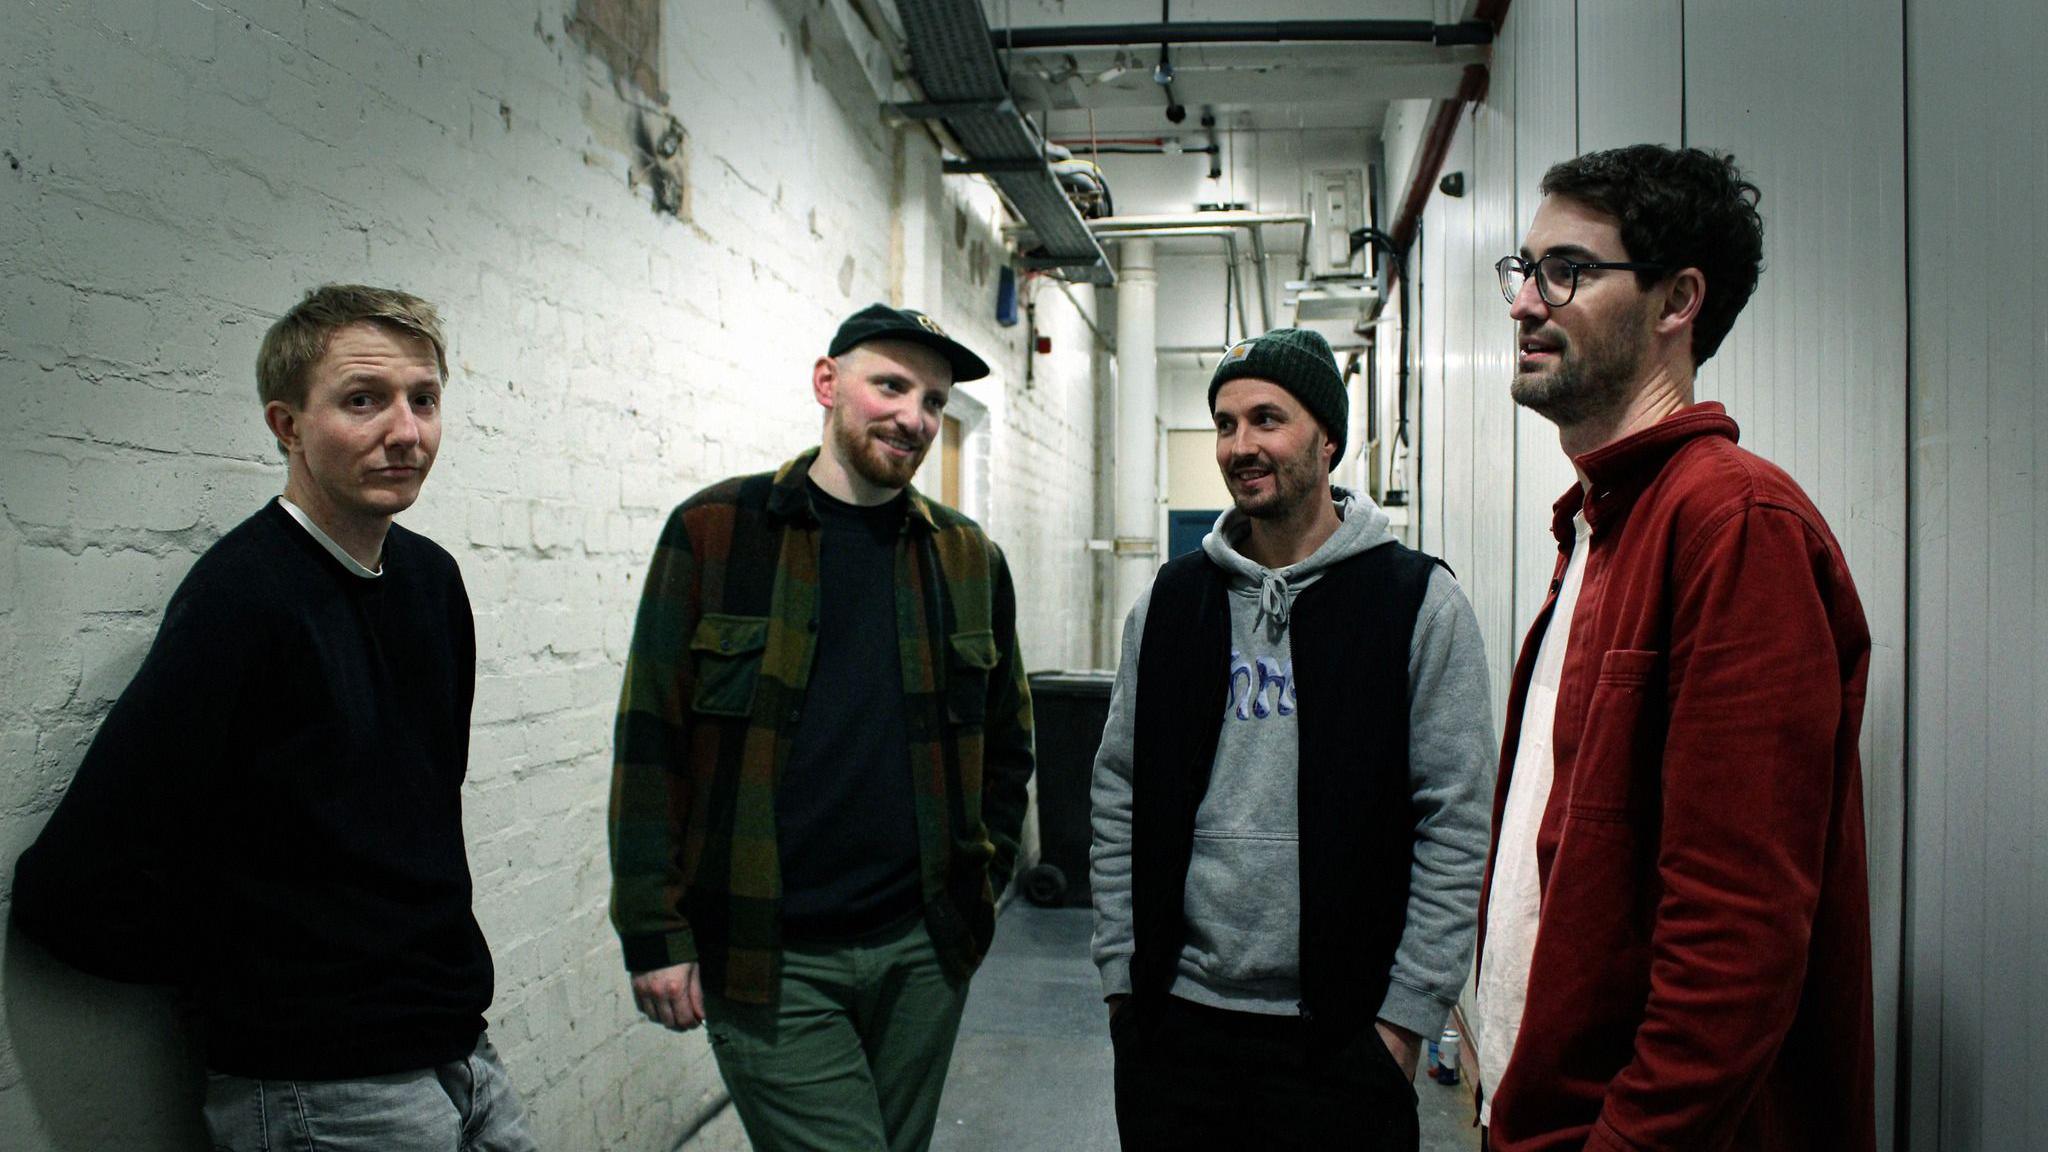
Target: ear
[[1683, 297], [825, 381], [283, 424]]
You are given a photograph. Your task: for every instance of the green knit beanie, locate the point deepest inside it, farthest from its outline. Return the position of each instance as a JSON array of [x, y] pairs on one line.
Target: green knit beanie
[[1300, 361]]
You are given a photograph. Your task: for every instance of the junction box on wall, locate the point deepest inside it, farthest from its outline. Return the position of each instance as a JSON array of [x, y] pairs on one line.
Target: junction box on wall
[[1336, 209]]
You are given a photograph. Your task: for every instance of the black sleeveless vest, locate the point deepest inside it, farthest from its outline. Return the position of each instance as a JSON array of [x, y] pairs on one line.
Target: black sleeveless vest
[[1350, 633]]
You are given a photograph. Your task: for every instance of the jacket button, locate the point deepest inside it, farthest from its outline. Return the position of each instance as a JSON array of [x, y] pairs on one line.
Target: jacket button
[[725, 645], [795, 714]]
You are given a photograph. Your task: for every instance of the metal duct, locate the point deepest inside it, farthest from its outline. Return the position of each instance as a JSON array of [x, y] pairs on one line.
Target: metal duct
[[955, 65], [1469, 32]]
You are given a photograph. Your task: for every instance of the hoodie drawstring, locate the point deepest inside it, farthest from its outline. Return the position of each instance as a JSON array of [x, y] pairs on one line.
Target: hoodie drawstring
[[1273, 602]]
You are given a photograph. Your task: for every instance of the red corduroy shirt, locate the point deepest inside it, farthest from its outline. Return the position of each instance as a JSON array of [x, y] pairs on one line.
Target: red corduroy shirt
[[1701, 976]]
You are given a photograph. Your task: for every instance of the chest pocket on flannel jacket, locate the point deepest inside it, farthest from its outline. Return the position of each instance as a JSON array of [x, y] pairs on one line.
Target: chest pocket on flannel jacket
[[727, 651], [970, 657], [1621, 741]]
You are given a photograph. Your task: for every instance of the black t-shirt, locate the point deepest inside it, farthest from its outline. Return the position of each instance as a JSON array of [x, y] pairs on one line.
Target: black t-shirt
[[845, 809]]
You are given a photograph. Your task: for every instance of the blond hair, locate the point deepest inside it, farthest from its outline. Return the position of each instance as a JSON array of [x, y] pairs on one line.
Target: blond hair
[[299, 338]]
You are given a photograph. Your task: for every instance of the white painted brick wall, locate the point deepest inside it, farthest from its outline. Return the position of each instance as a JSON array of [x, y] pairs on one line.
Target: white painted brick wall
[[177, 172]]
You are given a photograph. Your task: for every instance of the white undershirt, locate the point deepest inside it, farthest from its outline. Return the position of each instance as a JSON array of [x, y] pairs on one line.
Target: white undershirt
[[337, 551], [1514, 903]]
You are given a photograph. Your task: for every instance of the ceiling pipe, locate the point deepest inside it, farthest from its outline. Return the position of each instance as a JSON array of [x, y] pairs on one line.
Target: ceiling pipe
[[1183, 223], [1232, 260], [1168, 234], [1101, 341], [1196, 220], [1230, 256], [1141, 150], [1111, 227], [1467, 32], [1337, 345], [1259, 266], [1235, 291], [1168, 225]]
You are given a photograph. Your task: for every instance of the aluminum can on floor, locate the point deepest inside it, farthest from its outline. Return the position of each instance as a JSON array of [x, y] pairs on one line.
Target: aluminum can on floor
[[1443, 1057]]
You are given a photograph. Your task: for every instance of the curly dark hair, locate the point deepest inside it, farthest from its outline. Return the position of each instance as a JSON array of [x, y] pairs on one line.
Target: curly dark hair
[[1681, 208]]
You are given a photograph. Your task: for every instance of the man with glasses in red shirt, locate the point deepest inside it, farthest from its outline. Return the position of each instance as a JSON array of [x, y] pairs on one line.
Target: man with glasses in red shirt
[[1675, 929]]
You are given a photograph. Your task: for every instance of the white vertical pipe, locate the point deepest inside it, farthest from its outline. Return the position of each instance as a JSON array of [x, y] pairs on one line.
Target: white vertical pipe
[[1137, 423]]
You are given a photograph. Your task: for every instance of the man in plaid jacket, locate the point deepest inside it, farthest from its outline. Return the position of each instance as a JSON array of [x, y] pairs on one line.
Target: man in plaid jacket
[[821, 756]]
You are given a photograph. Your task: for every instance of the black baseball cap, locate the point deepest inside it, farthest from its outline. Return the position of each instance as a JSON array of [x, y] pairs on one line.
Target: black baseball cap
[[881, 322]]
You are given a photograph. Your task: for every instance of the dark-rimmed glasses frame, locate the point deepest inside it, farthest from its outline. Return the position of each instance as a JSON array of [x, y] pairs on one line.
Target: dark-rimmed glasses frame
[[1553, 270]]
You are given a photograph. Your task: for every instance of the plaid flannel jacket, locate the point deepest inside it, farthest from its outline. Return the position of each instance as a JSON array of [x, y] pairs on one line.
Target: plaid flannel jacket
[[714, 691]]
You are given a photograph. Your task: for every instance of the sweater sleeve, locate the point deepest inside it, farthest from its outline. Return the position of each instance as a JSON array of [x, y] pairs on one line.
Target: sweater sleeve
[[109, 884], [650, 796], [1109, 856], [1754, 698], [1451, 754]]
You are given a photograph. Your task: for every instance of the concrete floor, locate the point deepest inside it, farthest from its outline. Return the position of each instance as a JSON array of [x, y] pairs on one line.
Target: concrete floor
[[1032, 1068]]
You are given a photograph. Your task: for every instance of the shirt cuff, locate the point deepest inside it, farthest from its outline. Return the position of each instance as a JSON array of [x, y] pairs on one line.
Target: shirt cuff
[[644, 952]]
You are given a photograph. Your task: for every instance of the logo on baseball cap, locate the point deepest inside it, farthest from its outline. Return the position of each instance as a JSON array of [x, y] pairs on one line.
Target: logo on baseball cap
[[881, 322]]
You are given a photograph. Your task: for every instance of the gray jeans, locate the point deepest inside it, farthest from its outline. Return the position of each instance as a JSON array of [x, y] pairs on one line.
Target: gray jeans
[[467, 1105]]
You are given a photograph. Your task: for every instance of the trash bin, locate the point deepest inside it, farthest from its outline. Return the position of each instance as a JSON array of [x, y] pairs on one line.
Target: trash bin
[[1068, 711]]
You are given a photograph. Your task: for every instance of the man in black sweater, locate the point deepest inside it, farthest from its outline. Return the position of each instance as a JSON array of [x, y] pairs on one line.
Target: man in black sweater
[[270, 816]]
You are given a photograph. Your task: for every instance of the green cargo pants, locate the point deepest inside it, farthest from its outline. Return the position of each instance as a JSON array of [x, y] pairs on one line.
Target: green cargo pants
[[853, 1056]]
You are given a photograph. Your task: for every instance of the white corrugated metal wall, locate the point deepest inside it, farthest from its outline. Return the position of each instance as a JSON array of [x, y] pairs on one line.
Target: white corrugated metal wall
[[1467, 478], [1541, 36], [1490, 185], [1808, 99], [1976, 986], [1434, 515]]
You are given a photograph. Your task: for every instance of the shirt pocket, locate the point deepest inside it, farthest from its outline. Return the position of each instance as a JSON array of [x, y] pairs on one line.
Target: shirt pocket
[[970, 657], [1622, 737], [727, 651]]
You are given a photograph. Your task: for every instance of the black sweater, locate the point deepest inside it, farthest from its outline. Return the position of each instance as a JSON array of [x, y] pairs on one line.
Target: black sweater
[[271, 813]]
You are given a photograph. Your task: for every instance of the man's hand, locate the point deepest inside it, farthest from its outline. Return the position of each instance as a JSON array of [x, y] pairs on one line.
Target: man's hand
[[672, 997], [1115, 1002], [1405, 1045]]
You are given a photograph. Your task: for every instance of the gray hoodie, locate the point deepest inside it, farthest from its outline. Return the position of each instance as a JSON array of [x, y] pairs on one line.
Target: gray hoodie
[[1242, 900]]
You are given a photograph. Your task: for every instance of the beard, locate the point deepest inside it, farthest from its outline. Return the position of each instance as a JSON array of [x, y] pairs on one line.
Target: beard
[[1590, 379], [860, 450], [1294, 481]]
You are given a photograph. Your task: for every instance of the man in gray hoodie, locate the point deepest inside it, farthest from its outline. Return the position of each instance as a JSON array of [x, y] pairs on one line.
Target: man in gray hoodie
[[1301, 718]]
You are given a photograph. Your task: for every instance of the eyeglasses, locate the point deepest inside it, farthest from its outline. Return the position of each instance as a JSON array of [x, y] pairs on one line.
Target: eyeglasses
[[1557, 277]]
